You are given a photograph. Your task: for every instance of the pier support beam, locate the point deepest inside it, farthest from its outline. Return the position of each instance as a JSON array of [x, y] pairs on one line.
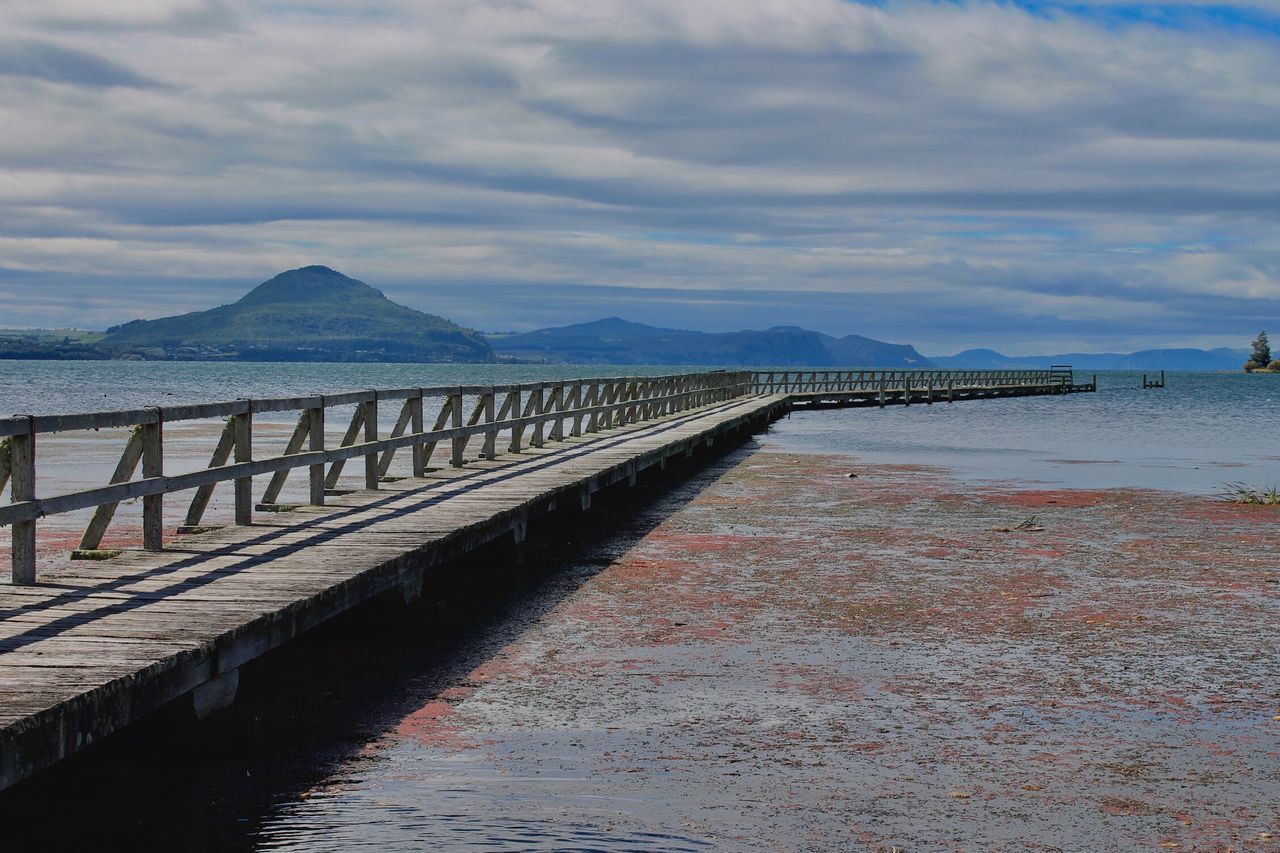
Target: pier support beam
[[411, 587], [215, 695]]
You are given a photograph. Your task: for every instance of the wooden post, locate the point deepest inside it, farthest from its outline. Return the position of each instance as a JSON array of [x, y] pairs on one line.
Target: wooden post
[[951, 390], [593, 399], [244, 453], [517, 431], [370, 409], [537, 404], [490, 450], [153, 466], [416, 424], [459, 442], [906, 390], [315, 441], [555, 403], [612, 393], [604, 420], [882, 382], [22, 458], [573, 402]]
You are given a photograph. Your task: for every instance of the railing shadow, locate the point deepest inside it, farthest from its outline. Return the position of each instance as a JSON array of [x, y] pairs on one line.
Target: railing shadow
[[314, 706], [393, 505]]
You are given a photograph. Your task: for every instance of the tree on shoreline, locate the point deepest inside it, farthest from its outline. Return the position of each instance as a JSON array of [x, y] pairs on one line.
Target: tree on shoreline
[[1261, 355]]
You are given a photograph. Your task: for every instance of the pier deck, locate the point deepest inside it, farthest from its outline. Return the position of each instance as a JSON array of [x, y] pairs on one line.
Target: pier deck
[[96, 645], [88, 648]]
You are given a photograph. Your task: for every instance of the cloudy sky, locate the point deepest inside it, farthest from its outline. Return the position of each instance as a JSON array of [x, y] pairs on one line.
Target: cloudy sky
[[1033, 177]]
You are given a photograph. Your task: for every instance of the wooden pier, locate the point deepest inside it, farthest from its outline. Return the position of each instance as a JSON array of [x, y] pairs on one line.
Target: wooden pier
[[88, 647], [852, 388]]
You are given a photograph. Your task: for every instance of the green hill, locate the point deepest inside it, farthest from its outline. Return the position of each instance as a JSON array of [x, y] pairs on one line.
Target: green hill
[[616, 341], [308, 314]]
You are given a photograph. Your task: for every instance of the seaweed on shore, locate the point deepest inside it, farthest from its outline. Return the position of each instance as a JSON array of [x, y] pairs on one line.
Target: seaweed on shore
[[1243, 493]]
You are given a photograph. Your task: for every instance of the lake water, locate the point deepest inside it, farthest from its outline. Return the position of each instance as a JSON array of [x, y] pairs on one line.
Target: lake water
[[1201, 431], [56, 387]]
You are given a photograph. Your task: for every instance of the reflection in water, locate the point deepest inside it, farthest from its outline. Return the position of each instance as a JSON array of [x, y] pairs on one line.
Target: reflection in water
[[352, 824]]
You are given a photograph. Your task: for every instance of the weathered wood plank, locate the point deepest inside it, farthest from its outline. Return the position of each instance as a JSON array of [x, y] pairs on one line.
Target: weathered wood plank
[[124, 470], [221, 453], [300, 433]]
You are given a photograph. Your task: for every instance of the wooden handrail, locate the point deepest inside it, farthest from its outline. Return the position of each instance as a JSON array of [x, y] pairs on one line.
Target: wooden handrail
[[532, 413], [837, 381], [589, 405]]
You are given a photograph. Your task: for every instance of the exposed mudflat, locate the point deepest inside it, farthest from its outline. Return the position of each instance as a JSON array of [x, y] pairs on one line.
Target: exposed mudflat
[[797, 658]]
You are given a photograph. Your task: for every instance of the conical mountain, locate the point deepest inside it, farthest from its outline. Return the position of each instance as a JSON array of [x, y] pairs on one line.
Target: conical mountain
[[308, 314]]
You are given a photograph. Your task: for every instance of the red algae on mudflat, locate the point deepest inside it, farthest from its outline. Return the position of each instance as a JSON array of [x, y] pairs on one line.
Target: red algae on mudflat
[[791, 658]]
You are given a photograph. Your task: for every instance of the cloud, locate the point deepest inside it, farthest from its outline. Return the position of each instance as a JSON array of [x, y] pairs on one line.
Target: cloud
[[947, 174], [45, 61]]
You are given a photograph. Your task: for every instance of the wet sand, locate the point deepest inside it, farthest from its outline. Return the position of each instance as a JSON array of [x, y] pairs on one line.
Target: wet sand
[[789, 657]]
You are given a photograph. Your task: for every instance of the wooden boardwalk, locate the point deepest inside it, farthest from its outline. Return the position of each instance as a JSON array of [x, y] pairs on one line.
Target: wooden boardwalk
[[97, 645], [88, 648]]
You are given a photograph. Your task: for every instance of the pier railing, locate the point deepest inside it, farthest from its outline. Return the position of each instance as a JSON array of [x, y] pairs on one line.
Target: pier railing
[[522, 415], [908, 381], [532, 413]]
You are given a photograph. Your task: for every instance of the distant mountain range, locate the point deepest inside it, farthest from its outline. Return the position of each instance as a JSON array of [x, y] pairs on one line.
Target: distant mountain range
[[308, 314], [617, 341], [318, 314], [1222, 358]]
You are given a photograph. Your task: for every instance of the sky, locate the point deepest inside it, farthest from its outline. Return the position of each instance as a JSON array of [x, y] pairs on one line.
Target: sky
[[1035, 177]]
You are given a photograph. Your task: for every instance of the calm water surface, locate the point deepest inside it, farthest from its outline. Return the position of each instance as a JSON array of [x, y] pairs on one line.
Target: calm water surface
[[1198, 433], [55, 387], [1201, 431]]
